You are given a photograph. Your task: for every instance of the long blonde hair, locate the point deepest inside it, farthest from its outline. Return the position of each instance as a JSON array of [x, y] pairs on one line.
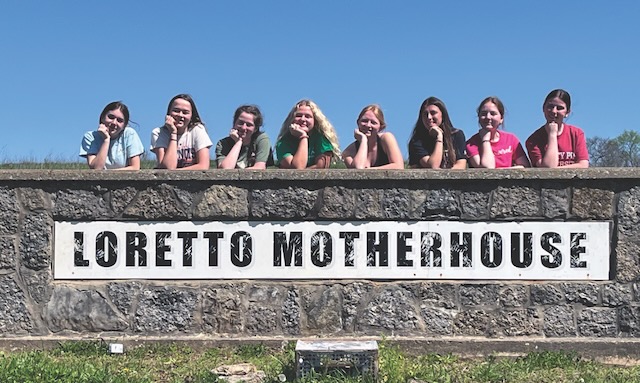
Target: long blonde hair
[[320, 122]]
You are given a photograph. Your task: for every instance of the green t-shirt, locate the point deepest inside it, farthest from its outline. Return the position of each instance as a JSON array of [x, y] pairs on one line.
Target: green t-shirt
[[257, 151], [318, 144]]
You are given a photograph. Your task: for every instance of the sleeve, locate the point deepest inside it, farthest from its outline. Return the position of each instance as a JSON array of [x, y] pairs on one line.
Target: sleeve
[[133, 144], [324, 146], [201, 139], [221, 153], [159, 138], [581, 146], [534, 148], [284, 147], [263, 148], [416, 151], [519, 150], [460, 145], [472, 146], [90, 144]]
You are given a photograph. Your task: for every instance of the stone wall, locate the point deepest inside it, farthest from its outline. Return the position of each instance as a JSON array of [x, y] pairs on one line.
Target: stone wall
[[33, 306]]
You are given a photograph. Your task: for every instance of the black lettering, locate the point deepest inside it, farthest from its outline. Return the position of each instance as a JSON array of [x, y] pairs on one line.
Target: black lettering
[[78, 250], [241, 259], [491, 249], [291, 250], [162, 248], [349, 248], [577, 250], [321, 239], [213, 237], [430, 243], [459, 249], [554, 252], [136, 242], [403, 248], [106, 254], [526, 259], [382, 248], [187, 246]]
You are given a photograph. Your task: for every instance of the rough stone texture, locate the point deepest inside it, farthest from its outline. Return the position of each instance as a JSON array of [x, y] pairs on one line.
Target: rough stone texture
[[223, 309], [479, 295], [158, 202], [513, 296], [555, 202], [597, 322], [34, 199], [474, 205], [14, 315], [7, 253], [239, 373], [82, 311], [291, 313], [38, 284], [222, 201], [543, 294], [185, 199], [436, 321], [353, 295], [435, 294], [586, 294], [9, 212], [515, 202], [323, 309], [35, 241], [262, 316], [121, 198], [337, 202], [520, 322], [368, 204], [390, 309], [474, 323], [627, 261], [559, 321], [165, 310], [629, 317], [590, 203], [629, 214], [80, 205], [123, 295], [290, 203], [440, 203], [396, 203]]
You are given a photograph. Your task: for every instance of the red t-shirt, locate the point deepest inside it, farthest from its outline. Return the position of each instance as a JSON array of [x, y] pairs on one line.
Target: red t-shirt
[[572, 146], [506, 151]]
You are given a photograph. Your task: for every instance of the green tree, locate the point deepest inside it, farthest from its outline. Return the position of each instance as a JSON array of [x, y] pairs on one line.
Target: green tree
[[621, 151]]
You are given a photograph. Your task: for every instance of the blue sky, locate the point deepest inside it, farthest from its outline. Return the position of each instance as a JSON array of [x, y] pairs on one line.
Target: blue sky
[[63, 61]]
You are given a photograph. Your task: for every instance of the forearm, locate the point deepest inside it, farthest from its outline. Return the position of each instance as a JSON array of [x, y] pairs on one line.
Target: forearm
[[230, 161], [550, 158], [170, 158], [360, 159], [100, 159], [487, 158], [301, 155]]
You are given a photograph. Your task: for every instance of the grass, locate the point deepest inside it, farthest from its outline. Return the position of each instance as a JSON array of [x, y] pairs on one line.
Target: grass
[[85, 362]]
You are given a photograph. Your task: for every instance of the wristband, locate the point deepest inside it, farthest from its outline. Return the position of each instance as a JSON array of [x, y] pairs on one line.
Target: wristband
[[486, 141], [174, 139], [438, 140]]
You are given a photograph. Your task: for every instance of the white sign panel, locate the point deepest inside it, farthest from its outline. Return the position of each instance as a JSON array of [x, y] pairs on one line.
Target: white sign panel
[[332, 250]]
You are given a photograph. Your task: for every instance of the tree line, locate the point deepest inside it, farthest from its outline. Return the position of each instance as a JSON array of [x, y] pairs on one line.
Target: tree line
[[620, 151]]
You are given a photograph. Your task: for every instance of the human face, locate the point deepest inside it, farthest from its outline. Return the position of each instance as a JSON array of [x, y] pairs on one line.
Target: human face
[[181, 113], [245, 126], [114, 121], [304, 118], [555, 110], [490, 117], [431, 116], [369, 124]]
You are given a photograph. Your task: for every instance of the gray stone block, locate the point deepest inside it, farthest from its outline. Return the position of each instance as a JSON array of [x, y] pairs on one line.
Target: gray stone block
[[475, 323], [629, 320], [555, 202], [629, 214], [368, 204], [543, 294], [627, 261], [591, 203], [353, 296], [337, 202], [15, 318], [322, 306], [224, 309], [7, 253], [474, 205], [80, 205], [586, 294], [437, 321], [559, 321], [38, 284], [291, 313], [261, 320], [81, 310], [123, 295], [436, 294], [479, 295], [223, 201], [154, 203], [597, 322], [525, 322], [9, 212], [34, 199], [513, 296], [440, 203], [121, 198], [389, 309], [290, 203], [396, 203], [35, 241], [515, 202], [165, 310]]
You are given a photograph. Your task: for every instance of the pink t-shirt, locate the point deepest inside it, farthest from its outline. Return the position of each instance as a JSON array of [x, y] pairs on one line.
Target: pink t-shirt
[[572, 146], [506, 150]]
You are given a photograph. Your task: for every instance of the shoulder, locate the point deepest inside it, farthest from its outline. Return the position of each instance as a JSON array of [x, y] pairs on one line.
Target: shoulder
[[91, 135], [262, 137], [386, 137], [474, 139], [129, 132], [574, 130]]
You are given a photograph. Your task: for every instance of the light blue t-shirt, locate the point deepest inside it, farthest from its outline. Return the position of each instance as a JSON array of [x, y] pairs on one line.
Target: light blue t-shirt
[[125, 146]]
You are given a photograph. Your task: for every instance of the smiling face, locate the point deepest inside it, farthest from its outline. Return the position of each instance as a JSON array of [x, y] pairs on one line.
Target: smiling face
[[304, 118], [431, 116], [489, 116], [181, 112], [369, 124], [245, 126], [555, 110], [115, 121]]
